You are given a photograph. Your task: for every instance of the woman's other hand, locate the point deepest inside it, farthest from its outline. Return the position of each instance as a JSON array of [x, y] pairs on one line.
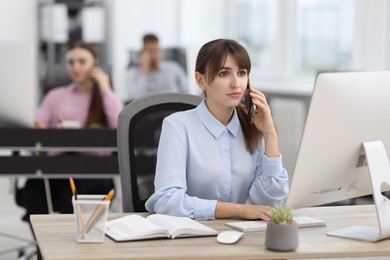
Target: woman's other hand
[[243, 211]]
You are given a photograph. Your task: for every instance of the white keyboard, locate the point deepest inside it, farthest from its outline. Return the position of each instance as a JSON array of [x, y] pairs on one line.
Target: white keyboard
[[259, 225]]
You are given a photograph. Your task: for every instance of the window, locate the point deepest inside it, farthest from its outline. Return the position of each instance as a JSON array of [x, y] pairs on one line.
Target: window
[[290, 41], [325, 34], [256, 23], [201, 21]]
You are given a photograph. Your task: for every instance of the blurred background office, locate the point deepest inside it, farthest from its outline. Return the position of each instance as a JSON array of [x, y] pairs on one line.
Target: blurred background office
[[289, 41]]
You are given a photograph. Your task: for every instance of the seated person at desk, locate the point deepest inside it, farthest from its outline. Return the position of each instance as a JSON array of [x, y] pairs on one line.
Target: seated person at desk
[[211, 160], [89, 102], [153, 75]]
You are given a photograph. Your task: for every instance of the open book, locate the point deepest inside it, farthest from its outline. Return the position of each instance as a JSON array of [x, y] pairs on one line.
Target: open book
[[136, 227]]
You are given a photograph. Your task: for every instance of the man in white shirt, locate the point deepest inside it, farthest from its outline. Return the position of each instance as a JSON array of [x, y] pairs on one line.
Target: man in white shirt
[[154, 75]]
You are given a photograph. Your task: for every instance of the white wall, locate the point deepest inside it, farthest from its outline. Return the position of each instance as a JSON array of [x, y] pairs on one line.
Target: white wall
[[18, 62], [130, 19], [18, 20]]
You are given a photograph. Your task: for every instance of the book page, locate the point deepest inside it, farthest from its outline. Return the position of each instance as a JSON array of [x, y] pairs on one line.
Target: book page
[[181, 226], [134, 227]]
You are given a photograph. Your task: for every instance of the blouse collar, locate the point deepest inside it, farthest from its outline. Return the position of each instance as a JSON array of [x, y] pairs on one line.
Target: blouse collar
[[215, 127]]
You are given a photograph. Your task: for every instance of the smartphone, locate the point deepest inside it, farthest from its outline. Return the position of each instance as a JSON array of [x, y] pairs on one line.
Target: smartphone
[[251, 108], [94, 82]]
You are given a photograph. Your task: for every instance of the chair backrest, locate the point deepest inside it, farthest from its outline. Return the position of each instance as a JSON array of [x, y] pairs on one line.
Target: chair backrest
[[176, 54], [56, 75], [138, 134]]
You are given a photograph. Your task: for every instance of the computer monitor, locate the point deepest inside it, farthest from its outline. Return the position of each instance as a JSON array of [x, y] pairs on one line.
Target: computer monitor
[[18, 84], [346, 110]]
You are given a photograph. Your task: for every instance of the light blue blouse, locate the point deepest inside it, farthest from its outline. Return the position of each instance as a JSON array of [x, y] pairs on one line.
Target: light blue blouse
[[200, 161]]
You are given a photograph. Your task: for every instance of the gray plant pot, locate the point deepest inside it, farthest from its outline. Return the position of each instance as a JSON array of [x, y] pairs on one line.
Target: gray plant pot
[[281, 237]]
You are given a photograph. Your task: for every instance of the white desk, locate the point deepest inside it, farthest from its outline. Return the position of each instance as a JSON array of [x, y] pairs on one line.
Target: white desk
[[56, 239]]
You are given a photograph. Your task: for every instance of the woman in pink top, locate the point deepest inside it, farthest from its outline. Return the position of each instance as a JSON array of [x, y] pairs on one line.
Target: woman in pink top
[[87, 102]]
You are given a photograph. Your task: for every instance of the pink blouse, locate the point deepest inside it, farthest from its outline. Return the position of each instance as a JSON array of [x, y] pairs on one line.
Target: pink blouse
[[73, 106]]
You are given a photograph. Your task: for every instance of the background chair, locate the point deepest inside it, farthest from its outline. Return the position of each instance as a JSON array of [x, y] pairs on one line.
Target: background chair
[[56, 75], [139, 128], [175, 54]]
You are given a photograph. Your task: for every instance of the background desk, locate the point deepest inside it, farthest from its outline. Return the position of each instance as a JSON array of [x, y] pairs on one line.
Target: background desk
[[37, 141], [56, 239], [23, 154]]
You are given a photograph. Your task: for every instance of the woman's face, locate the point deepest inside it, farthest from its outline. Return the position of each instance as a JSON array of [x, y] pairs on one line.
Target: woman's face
[[79, 63], [228, 87]]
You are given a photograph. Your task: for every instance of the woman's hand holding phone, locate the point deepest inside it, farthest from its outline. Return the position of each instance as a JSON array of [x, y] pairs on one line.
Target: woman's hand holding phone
[[101, 78], [262, 118], [251, 108], [264, 122]]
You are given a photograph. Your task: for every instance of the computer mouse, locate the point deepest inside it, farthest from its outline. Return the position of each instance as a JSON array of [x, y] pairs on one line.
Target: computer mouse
[[229, 237]]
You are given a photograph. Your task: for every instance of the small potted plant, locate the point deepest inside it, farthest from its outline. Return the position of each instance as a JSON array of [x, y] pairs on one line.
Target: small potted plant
[[282, 231]]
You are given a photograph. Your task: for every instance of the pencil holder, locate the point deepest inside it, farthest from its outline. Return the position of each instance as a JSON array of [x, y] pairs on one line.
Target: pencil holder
[[90, 214]]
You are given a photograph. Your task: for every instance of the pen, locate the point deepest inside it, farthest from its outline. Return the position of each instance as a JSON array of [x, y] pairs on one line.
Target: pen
[[74, 192], [95, 215]]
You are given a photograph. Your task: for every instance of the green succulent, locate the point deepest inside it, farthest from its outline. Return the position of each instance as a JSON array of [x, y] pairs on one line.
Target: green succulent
[[281, 215], [95, 126]]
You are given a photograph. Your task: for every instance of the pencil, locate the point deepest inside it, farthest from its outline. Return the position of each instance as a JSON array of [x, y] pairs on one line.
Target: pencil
[[73, 187], [74, 192], [95, 215], [109, 195]]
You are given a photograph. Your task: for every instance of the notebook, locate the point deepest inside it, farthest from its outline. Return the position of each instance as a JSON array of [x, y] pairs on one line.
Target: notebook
[[136, 227]]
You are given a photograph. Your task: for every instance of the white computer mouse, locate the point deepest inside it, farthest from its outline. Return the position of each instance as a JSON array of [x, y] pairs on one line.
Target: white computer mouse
[[229, 237]]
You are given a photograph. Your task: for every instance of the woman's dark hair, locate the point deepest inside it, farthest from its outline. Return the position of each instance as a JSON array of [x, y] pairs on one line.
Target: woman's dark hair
[[96, 113], [211, 58]]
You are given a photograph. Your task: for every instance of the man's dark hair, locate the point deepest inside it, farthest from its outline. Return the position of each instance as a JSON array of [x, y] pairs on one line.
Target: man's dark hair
[[150, 38]]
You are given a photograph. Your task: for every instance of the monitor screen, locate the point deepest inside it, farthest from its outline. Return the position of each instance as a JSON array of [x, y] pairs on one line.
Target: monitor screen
[[18, 84], [346, 110]]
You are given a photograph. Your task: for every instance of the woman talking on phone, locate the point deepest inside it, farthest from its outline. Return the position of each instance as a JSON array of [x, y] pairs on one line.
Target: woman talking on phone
[[212, 162], [87, 101]]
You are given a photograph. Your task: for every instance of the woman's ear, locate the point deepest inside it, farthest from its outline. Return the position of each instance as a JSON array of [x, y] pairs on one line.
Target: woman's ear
[[200, 80]]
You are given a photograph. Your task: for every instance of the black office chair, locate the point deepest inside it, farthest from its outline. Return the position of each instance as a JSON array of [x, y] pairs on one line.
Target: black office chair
[[138, 134], [178, 55], [56, 75], [175, 54]]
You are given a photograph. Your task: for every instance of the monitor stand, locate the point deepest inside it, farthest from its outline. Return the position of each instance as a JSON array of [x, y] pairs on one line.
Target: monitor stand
[[379, 169]]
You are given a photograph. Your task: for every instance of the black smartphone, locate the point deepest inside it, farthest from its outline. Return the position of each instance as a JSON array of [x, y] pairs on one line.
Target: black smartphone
[[94, 82], [251, 108]]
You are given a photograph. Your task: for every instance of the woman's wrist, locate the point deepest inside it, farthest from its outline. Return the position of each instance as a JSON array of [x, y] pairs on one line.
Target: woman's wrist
[[271, 145], [228, 210], [104, 87]]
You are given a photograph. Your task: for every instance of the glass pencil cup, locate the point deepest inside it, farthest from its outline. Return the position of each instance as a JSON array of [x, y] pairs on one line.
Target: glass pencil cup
[[90, 215]]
